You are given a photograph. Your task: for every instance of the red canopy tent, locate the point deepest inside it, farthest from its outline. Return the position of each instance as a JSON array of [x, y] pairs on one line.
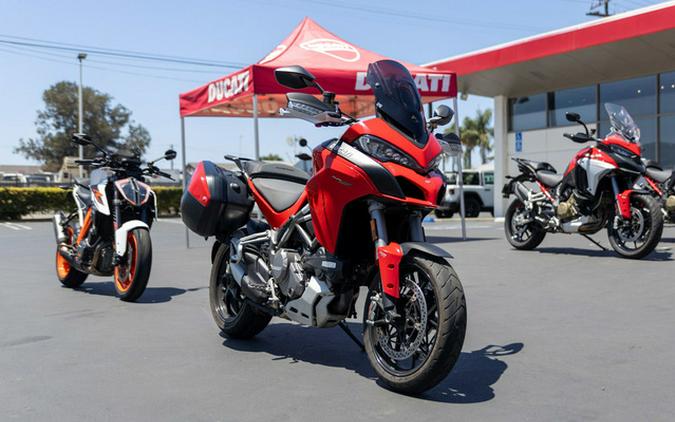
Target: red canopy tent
[[338, 65]]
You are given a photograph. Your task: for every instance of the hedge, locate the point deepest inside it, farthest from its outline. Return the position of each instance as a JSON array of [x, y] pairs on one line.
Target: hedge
[[19, 202]]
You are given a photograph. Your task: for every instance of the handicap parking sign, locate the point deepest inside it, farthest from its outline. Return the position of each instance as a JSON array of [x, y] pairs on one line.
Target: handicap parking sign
[[519, 141]]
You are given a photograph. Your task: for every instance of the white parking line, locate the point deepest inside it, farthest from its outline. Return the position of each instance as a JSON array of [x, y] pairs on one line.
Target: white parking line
[[454, 227], [15, 226]]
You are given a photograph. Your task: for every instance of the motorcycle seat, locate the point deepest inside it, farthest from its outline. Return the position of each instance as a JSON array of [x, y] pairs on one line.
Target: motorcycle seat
[[660, 176], [278, 171], [280, 194], [549, 179]]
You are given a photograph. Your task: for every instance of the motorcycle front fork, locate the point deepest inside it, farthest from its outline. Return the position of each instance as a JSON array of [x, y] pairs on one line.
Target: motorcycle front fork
[[388, 255]]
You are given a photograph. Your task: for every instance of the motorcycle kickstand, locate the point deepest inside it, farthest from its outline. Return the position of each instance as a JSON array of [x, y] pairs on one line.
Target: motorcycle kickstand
[[594, 242], [351, 335]]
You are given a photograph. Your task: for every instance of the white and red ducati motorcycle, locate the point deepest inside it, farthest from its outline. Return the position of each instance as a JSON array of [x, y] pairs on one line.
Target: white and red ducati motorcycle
[[597, 190]]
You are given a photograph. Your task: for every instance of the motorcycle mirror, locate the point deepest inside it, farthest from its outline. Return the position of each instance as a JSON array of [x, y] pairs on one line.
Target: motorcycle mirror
[[296, 77], [302, 142], [444, 114], [169, 154], [572, 117], [451, 144], [81, 139]]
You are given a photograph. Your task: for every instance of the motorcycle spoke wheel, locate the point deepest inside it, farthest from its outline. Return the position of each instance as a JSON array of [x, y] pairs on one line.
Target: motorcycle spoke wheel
[[125, 273]]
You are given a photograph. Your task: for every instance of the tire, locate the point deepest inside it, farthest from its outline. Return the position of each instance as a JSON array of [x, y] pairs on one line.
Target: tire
[[444, 349], [651, 212], [537, 233], [235, 317], [443, 213], [472, 207], [132, 277], [67, 275]]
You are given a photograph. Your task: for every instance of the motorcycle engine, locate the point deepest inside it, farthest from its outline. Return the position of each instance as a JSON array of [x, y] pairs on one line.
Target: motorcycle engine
[[567, 209], [287, 270]]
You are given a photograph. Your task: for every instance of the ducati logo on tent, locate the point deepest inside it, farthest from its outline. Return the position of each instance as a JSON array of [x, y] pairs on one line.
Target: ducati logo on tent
[[274, 54], [228, 87], [334, 48], [425, 82]]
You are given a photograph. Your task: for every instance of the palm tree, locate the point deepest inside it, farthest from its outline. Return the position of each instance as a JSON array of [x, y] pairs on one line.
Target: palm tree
[[476, 132]]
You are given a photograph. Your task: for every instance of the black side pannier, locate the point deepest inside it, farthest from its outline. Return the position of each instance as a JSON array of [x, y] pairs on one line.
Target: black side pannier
[[216, 202]]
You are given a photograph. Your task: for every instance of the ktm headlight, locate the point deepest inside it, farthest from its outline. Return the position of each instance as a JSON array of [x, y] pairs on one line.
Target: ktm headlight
[[384, 151]]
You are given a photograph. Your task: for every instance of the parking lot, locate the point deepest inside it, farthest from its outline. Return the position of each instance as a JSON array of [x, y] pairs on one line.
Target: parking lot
[[565, 332]]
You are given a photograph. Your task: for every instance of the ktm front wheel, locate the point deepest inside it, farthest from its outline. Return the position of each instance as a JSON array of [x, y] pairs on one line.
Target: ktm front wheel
[[132, 274], [414, 346]]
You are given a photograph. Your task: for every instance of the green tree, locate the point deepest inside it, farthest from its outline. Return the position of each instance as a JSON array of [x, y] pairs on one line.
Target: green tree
[[477, 133], [108, 125], [271, 157]]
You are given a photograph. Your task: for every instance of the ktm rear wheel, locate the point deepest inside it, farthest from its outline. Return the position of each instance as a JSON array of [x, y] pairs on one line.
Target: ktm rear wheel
[[66, 273], [131, 276]]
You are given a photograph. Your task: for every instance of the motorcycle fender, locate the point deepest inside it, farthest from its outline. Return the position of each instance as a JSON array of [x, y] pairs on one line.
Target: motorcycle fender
[[427, 248], [623, 201], [121, 235], [389, 260]]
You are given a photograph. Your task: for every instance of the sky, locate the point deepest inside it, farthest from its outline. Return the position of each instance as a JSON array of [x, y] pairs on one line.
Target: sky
[[240, 31]]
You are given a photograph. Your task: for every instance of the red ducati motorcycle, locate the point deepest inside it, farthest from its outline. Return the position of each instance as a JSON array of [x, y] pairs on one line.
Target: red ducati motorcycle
[[597, 190], [355, 222]]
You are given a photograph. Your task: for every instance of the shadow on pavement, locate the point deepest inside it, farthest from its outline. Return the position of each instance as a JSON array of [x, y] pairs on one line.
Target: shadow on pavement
[[657, 255], [150, 295], [470, 381]]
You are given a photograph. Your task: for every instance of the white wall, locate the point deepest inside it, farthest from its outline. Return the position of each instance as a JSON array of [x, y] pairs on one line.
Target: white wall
[[545, 145]]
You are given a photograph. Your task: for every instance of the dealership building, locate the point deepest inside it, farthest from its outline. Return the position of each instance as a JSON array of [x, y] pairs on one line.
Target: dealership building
[[627, 59]]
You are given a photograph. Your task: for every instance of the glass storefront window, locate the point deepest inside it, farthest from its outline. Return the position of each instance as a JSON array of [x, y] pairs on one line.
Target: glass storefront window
[[577, 100], [528, 112], [638, 95], [667, 93], [667, 141]]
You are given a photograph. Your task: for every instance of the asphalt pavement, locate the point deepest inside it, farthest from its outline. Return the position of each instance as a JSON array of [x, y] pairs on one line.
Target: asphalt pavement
[[564, 332]]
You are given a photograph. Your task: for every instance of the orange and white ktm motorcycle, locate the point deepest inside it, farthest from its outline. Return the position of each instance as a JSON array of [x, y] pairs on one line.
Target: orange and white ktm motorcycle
[[109, 232]]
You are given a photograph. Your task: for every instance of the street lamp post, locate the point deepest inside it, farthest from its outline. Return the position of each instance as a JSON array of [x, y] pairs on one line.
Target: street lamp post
[[80, 117]]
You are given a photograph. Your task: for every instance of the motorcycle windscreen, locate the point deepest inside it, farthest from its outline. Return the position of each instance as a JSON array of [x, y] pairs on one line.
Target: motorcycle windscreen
[[622, 123], [397, 99]]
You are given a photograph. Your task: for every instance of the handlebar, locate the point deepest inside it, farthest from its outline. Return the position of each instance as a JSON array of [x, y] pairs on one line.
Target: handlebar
[[85, 162]]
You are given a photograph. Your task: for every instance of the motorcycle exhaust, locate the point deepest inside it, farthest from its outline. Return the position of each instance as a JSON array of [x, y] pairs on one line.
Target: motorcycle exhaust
[[57, 221], [521, 191]]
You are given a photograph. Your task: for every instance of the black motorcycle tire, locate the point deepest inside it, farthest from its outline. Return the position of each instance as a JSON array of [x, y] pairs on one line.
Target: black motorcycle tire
[[139, 256], [538, 233], [654, 236], [449, 338], [248, 321]]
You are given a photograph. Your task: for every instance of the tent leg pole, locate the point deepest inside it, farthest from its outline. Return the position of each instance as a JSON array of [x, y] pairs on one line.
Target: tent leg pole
[[183, 162], [255, 127], [460, 177]]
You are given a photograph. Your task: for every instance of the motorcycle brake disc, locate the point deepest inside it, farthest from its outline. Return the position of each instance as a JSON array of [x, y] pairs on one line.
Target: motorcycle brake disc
[[415, 307]]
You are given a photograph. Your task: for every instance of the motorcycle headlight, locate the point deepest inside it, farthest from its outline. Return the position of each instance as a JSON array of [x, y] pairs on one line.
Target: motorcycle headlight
[[384, 151]]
